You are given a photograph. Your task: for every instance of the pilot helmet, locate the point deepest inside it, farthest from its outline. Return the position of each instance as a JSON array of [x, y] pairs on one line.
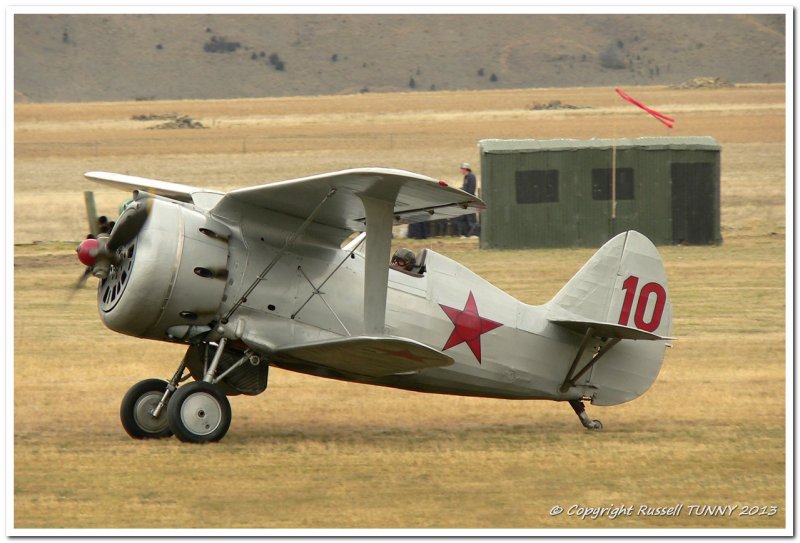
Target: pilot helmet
[[404, 258]]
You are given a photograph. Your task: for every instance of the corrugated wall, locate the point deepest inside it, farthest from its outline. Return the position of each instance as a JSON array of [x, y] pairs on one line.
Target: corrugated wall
[[577, 219]]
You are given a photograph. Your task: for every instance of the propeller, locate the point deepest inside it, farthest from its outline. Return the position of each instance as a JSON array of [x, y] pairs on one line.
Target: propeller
[[98, 252], [87, 273], [130, 223]]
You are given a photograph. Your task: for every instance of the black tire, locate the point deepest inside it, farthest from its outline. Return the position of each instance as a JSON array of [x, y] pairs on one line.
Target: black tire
[[199, 412], [137, 406]]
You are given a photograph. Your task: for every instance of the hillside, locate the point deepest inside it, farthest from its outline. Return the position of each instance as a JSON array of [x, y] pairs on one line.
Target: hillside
[[81, 58]]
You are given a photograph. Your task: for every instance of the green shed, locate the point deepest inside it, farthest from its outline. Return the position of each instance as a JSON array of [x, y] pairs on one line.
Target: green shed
[[561, 193]]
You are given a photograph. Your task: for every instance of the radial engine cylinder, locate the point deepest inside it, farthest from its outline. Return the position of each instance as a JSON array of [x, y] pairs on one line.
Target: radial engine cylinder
[[172, 276]]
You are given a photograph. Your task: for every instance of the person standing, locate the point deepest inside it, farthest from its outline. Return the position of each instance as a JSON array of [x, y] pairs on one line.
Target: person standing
[[468, 225]]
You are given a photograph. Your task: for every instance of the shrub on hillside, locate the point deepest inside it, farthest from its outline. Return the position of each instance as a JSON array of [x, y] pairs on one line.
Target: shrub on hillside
[[276, 62], [221, 45]]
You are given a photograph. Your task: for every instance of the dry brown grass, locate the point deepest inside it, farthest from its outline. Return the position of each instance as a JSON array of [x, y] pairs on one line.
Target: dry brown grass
[[257, 141], [314, 453]]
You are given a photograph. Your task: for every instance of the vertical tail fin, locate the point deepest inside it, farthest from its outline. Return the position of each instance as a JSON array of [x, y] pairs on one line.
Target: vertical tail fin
[[619, 294], [623, 284]]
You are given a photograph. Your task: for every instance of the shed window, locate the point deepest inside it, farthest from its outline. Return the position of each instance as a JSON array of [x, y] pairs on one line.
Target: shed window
[[537, 186], [601, 184]]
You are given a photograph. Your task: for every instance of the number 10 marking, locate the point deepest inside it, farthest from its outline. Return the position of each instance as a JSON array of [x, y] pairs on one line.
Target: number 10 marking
[[629, 286]]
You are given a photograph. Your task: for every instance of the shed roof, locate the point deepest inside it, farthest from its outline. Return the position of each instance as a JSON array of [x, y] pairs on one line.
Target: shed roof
[[700, 143]]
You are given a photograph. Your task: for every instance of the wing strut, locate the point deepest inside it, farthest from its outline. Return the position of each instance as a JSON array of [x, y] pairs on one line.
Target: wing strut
[[316, 291], [380, 218], [351, 248], [287, 244]]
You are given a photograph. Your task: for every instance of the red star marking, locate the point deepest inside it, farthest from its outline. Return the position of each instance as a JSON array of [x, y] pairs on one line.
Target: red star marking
[[469, 326]]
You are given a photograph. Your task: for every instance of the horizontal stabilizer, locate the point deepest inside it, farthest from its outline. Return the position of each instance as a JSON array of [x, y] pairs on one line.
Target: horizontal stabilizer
[[372, 356], [607, 330]]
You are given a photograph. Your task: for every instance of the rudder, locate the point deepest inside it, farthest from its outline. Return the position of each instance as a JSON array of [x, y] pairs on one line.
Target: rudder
[[621, 292]]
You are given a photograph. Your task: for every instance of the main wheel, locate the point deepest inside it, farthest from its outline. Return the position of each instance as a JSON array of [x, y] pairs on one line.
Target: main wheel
[[199, 412], [136, 411]]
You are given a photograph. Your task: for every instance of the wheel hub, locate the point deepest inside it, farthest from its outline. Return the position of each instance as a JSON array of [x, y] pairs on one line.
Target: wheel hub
[[201, 413], [143, 413]]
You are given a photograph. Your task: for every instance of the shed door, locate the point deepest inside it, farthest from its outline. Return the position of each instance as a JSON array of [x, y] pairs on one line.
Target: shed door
[[693, 202]]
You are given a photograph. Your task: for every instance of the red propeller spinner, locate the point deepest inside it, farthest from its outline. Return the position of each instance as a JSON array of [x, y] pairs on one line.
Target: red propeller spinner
[[87, 251]]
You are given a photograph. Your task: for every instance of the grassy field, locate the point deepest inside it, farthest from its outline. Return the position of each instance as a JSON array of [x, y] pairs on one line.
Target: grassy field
[[314, 453]]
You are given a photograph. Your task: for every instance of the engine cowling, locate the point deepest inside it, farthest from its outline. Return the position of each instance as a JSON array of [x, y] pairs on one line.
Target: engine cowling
[[170, 279]]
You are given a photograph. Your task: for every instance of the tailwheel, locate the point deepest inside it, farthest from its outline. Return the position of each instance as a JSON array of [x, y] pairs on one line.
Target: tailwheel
[[139, 414], [580, 410], [199, 412]]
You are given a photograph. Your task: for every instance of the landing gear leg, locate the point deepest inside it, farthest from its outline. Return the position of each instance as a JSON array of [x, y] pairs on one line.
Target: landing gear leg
[[580, 410], [142, 407]]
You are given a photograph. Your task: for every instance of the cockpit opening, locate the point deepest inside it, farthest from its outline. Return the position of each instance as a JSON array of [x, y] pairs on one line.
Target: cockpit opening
[[405, 261]]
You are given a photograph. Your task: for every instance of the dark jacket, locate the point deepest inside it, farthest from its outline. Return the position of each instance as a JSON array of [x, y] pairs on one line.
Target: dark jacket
[[469, 183]]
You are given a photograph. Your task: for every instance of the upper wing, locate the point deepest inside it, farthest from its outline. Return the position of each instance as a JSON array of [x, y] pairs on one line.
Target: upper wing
[[183, 193], [415, 198], [370, 199], [365, 355]]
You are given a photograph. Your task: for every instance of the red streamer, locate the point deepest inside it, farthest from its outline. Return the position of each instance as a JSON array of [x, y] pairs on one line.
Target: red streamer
[[668, 121]]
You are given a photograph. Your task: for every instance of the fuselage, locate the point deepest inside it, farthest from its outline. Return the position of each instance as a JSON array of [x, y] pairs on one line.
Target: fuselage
[[190, 275], [180, 279]]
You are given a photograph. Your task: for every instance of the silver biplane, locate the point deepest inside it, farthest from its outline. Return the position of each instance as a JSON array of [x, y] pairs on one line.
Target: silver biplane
[[271, 275]]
